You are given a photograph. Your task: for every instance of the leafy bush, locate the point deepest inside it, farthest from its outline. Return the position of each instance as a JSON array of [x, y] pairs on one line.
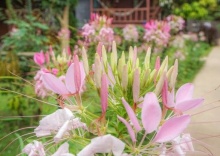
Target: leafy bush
[[26, 35]]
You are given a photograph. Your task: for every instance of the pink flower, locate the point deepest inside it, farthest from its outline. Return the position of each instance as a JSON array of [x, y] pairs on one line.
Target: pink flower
[[87, 30], [176, 23], [39, 58], [130, 33], [64, 33], [183, 100], [180, 145], [157, 32], [103, 144], [74, 80], [40, 88]]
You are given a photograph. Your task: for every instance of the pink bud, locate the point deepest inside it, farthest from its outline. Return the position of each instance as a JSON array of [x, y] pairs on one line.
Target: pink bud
[[55, 71], [99, 49], [39, 58], [104, 93], [69, 51], [77, 73], [47, 57], [157, 63], [165, 92]]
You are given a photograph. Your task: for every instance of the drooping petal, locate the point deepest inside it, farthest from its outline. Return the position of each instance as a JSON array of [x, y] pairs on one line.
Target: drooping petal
[[151, 112], [185, 92], [103, 144], [104, 93], [54, 84], [131, 115], [172, 128], [188, 104], [63, 150], [129, 128]]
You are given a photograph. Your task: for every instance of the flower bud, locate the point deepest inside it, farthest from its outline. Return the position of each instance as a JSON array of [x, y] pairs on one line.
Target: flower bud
[[136, 85], [159, 85], [39, 58], [104, 56], [124, 79], [121, 64], [174, 75], [97, 71], [85, 61], [147, 58], [114, 56]]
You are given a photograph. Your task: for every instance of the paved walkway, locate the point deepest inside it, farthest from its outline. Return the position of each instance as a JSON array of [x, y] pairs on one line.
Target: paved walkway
[[206, 82]]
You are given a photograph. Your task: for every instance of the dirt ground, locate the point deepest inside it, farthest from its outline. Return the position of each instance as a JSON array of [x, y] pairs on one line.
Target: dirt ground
[[205, 126]]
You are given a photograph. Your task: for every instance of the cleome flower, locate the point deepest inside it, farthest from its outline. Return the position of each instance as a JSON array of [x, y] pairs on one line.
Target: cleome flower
[[59, 123]]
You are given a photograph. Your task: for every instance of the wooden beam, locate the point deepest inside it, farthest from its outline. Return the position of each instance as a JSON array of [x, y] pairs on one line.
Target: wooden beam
[[148, 9], [91, 7]]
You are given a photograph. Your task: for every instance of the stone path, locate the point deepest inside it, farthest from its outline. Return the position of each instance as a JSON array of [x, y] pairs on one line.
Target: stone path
[[206, 82]]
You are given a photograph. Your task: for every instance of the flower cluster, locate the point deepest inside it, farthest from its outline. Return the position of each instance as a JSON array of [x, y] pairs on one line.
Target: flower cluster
[[157, 33], [130, 33], [98, 30], [138, 113], [49, 63], [176, 23]]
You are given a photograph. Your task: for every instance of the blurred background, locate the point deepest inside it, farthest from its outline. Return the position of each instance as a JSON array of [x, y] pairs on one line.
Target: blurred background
[[186, 30]]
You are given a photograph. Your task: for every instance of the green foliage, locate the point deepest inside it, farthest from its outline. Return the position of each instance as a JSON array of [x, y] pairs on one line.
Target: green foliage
[[10, 62], [193, 62], [28, 35], [195, 9]]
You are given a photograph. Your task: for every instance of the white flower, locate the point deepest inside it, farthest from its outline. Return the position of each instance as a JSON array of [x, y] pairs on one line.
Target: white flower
[[34, 149], [59, 123], [103, 144]]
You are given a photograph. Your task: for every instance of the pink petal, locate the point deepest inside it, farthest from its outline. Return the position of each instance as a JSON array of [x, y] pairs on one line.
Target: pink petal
[[54, 84], [131, 115], [172, 128], [151, 112], [189, 104], [70, 85], [104, 93], [185, 92], [130, 130]]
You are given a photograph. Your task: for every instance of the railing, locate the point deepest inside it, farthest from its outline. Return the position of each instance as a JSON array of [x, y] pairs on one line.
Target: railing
[[122, 16]]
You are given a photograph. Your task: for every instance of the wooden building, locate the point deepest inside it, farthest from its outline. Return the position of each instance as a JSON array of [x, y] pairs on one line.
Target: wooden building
[[127, 11]]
